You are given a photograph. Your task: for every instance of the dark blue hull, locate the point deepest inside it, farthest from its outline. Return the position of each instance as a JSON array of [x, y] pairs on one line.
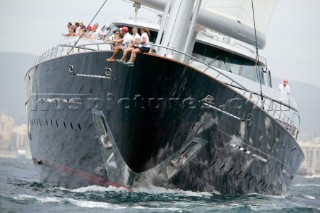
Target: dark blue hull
[[168, 125]]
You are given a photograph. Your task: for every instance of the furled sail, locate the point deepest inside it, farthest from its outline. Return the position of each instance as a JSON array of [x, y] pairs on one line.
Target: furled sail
[[241, 12], [231, 17]]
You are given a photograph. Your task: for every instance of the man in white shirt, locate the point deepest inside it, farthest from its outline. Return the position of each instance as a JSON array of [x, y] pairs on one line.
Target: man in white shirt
[[98, 32], [284, 88], [126, 38]]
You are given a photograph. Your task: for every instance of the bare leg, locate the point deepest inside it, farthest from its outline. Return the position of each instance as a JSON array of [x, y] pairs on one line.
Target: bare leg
[[115, 53], [134, 55], [125, 53]]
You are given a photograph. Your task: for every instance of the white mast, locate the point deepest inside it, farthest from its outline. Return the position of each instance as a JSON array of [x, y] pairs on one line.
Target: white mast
[[192, 34], [165, 17], [178, 30]]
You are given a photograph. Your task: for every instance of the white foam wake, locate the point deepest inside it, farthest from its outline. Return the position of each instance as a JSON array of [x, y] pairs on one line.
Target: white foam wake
[[303, 185], [148, 189], [39, 199], [89, 204], [99, 189], [161, 190], [312, 176], [94, 204], [104, 205], [309, 197]]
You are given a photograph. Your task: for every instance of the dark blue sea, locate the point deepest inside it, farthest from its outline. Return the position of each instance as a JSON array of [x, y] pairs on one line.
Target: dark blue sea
[[21, 191]]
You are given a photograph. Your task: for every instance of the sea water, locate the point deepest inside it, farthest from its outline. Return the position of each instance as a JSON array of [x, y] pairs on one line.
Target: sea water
[[21, 191]]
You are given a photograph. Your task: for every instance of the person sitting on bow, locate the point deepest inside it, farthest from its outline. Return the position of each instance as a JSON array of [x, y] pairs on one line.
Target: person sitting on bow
[[144, 46], [125, 43], [134, 40]]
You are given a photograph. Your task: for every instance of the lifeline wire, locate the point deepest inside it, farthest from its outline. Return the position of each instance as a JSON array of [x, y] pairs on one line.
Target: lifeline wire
[[89, 24], [257, 54]]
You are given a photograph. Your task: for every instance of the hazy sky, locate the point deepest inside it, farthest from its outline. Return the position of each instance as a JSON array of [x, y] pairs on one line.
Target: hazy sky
[[293, 39]]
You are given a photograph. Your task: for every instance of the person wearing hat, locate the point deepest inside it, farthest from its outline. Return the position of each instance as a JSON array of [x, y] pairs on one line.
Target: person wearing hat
[[89, 32], [284, 88], [126, 38]]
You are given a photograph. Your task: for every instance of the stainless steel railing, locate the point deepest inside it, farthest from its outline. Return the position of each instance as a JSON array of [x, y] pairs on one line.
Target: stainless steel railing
[[284, 113], [67, 49]]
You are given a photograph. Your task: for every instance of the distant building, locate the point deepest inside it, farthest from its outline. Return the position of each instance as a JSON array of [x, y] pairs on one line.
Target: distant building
[[311, 164], [20, 141], [6, 126], [13, 139]]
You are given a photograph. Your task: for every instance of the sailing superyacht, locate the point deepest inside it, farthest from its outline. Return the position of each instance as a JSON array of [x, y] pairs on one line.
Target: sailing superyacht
[[198, 112]]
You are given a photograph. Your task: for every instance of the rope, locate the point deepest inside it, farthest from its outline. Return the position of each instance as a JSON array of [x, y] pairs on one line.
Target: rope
[[257, 54], [88, 25]]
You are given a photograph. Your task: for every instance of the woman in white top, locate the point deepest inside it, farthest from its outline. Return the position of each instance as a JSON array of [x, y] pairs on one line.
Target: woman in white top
[[135, 40], [143, 47]]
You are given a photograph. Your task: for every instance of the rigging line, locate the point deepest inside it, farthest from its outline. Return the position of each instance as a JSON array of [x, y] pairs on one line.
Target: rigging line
[[88, 25], [257, 54]]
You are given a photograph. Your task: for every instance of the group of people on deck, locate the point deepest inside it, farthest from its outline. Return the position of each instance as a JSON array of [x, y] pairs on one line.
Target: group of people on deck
[[79, 29], [121, 40], [126, 43]]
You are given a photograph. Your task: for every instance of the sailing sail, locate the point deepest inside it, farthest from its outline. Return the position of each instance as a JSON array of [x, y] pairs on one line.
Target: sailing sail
[[241, 11], [231, 17]]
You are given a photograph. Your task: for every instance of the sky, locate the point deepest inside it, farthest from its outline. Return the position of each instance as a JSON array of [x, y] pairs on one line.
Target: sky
[[292, 49]]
